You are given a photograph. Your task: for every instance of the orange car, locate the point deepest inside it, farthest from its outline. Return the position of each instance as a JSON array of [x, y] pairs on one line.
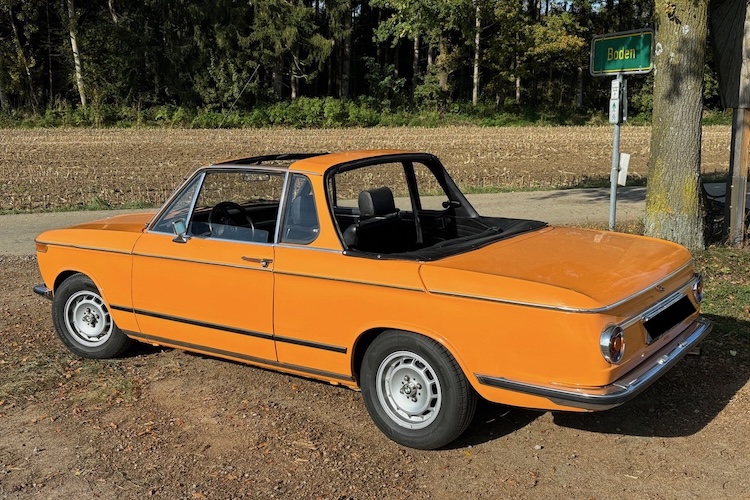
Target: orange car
[[370, 269]]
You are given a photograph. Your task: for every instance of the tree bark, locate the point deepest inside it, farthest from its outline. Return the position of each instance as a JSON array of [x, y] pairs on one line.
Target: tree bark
[[112, 12], [673, 202], [346, 54], [4, 105], [477, 37], [73, 30], [442, 62], [23, 59], [415, 65]]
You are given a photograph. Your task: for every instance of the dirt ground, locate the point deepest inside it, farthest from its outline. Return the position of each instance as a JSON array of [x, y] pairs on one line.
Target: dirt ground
[[168, 424]]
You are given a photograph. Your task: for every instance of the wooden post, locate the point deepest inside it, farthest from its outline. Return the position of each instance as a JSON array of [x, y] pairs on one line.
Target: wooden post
[[730, 24], [737, 179]]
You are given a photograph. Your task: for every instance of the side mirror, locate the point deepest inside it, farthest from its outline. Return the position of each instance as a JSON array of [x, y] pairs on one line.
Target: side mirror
[[451, 204], [180, 230]]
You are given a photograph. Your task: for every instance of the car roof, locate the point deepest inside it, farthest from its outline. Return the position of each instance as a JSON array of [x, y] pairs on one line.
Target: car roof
[[316, 163]]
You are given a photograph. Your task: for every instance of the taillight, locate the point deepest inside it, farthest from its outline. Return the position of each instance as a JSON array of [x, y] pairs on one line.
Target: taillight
[[612, 344], [698, 288]]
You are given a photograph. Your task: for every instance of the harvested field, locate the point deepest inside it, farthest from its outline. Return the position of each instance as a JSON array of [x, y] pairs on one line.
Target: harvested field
[[99, 168]]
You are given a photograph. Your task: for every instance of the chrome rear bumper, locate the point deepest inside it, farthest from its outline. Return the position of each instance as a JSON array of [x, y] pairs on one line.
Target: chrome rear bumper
[[622, 390]]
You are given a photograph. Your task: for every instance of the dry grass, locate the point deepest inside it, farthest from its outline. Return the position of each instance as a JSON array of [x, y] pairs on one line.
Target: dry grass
[[79, 168]]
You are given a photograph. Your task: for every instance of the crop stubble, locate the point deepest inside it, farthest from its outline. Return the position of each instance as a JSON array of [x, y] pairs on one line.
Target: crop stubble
[[52, 169]]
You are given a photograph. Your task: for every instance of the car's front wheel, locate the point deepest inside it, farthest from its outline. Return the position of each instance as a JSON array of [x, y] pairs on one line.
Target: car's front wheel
[[415, 391], [83, 322]]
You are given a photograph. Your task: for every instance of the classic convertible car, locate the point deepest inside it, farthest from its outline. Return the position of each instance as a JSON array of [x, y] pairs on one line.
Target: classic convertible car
[[371, 270]]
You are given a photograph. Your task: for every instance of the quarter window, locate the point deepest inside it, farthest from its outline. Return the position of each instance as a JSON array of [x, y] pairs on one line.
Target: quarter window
[[301, 223]]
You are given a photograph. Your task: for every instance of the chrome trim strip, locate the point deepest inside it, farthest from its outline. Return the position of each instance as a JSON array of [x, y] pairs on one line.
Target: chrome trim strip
[[314, 345], [623, 389], [355, 282], [240, 331], [298, 246], [84, 247], [663, 304], [562, 308], [208, 262], [213, 326], [235, 355]]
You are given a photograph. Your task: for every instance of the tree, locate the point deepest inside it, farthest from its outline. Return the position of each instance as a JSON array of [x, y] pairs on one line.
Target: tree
[[673, 202], [73, 30]]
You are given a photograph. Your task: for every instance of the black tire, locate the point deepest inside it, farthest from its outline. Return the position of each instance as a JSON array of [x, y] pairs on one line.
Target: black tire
[[83, 322], [415, 391]]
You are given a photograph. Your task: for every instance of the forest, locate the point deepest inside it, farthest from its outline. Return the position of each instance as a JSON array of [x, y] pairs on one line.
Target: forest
[[308, 62]]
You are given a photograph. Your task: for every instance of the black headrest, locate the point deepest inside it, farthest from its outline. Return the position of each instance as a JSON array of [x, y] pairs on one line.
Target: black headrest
[[375, 202]]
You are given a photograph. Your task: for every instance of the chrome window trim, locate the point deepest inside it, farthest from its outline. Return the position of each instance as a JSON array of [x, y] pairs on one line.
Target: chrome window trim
[[201, 177], [282, 207], [596, 310], [301, 246]]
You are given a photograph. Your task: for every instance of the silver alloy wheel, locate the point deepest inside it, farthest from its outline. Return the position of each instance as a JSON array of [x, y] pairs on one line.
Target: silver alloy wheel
[[408, 390], [87, 319]]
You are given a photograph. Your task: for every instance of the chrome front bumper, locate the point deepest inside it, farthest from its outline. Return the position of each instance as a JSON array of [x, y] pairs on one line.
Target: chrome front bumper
[[43, 291], [622, 390]]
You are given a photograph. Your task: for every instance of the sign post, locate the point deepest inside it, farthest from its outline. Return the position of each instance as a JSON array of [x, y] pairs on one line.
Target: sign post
[[619, 54]]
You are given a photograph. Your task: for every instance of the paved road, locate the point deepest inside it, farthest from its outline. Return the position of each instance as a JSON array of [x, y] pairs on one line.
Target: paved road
[[571, 207]]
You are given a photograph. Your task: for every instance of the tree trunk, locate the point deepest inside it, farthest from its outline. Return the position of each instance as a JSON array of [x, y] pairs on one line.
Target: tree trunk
[[346, 55], [673, 202], [4, 106], [415, 65], [23, 59], [278, 83], [442, 62], [579, 88], [112, 12], [477, 37], [73, 30], [518, 82]]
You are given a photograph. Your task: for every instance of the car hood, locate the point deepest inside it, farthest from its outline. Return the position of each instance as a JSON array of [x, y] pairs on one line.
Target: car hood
[[569, 268], [128, 222]]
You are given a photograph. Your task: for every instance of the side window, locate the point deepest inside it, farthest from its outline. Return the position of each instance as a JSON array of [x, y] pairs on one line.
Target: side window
[[179, 209], [301, 223], [238, 206], [431, 194]]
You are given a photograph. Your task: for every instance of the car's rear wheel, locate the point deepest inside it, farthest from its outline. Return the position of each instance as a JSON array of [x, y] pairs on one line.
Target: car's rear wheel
[[415, 391], [83, 321]]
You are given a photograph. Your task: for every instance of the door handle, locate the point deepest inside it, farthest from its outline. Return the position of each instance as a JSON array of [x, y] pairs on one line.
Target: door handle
[[263, 262]]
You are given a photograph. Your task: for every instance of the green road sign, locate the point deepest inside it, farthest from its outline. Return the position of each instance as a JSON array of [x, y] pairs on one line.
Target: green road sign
[[626, 52]]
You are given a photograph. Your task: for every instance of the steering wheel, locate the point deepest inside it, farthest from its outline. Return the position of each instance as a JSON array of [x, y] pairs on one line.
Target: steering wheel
[[228, 213]]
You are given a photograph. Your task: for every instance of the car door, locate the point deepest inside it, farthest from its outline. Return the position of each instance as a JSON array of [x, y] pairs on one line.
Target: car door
[[210, 287]]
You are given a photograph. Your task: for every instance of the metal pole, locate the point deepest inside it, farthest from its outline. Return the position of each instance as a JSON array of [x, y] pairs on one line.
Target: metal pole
[[615, 164]]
